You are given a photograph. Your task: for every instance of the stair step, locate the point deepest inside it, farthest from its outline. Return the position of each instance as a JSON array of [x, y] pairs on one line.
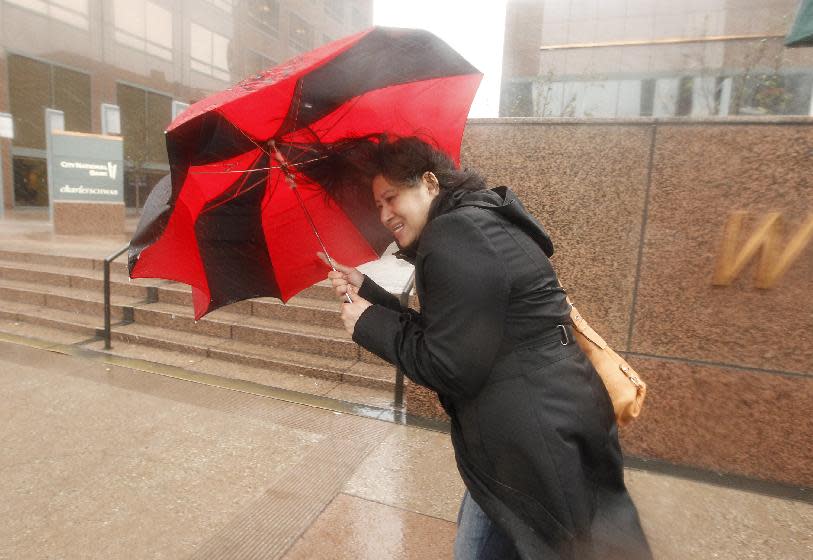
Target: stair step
[[222, 323], [53, 272], [49, 259], [52, 318], [65, 298], [83, 279], [231, 369], [299, 309], [310, 328], [284, 359], [309, 322]]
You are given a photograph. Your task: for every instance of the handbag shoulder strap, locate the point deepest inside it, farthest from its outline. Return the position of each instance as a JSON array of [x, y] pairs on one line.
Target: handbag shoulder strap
[[581, 325]]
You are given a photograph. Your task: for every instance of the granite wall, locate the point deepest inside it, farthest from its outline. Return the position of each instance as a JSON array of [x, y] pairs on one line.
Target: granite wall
[[638, 213], [89, 218]]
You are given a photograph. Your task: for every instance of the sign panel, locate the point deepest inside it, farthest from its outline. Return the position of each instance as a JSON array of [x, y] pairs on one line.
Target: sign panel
[[87, 167]]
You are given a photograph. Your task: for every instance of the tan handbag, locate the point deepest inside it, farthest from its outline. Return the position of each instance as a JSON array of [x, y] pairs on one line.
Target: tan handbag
[[626, 389]]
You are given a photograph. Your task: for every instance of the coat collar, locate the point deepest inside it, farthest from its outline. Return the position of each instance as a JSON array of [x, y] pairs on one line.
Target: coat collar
[[501, 200]]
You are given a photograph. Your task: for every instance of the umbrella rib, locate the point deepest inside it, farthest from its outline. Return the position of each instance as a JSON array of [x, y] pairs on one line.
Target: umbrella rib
[[299, 163], [235, 195], [244, 133]]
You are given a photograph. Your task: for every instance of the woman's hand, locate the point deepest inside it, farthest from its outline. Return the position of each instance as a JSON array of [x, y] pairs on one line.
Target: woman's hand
[[352, 311], [342, 277]]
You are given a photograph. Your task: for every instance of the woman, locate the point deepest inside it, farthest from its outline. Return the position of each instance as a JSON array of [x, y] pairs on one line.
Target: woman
[[532, 425]]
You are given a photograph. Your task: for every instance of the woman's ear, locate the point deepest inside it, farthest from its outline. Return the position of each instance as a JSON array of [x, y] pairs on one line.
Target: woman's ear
[[432, 181]]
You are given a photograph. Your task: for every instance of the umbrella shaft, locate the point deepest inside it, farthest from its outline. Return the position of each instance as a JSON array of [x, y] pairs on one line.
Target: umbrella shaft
[[315, 231], [289, 177]]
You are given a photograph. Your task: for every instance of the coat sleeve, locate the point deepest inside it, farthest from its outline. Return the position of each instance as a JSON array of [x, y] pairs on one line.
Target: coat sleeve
[[451, 345], [374, 293]]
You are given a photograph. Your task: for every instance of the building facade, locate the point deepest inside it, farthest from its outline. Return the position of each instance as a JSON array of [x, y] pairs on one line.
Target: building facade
[[129, 66], [661, 58]]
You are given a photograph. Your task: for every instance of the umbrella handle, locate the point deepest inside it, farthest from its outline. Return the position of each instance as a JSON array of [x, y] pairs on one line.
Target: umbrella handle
[[330, 261]]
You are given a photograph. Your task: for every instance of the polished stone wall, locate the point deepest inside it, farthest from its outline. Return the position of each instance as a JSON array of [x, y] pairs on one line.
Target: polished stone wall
[[89, 218], [637, 211]]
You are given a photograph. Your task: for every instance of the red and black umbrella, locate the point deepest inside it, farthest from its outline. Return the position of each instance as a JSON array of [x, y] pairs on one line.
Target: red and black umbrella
[[240, 216]]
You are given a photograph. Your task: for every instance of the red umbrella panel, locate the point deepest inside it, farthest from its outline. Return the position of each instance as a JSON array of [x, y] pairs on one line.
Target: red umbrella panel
[[228, 222]]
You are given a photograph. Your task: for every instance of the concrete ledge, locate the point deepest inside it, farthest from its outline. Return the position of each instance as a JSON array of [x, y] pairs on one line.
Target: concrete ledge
[[88, 218]]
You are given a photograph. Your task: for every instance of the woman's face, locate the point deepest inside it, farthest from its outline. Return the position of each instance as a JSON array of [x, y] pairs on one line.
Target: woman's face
[[404, 209]]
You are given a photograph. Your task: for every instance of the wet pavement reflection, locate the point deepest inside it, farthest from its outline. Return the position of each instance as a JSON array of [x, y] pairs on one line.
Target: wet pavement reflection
[[105, 461]]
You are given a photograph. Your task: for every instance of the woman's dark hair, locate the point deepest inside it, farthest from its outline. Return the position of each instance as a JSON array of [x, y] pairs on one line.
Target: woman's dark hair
[[353, 163], [404, 161]]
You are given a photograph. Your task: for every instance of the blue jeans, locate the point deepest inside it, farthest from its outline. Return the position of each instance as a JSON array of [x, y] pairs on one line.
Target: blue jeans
[[478, 538]]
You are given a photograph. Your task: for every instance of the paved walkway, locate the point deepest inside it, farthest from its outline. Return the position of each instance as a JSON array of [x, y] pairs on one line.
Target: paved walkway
[[104, 461]]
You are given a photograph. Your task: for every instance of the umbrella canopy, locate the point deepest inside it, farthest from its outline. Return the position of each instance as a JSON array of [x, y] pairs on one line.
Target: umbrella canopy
[[230, 225], [801, 34]]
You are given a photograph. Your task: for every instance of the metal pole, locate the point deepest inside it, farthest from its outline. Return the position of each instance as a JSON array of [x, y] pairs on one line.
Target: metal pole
[[399, 375], [107, 305], [107, 261], [2, 187]]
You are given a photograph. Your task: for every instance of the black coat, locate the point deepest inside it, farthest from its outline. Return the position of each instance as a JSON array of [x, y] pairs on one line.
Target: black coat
[[532, 425]]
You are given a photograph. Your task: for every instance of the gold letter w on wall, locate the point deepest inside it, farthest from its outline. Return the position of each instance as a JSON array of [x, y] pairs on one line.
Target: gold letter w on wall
[[773, 262]]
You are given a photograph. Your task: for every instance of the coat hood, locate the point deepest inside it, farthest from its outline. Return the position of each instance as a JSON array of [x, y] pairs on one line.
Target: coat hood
[[501, 200]]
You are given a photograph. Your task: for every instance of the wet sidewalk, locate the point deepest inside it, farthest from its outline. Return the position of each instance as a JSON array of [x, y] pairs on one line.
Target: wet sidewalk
[[105, 461]]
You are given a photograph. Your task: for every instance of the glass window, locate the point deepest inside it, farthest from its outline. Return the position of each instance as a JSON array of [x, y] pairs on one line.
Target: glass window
[[264, 13], [144, 117], [335, 8], [209, 51], [225, 5], [256, 63], [689, 59], [300, 34], [72, 96], [35, 86], [515, 99], [773, 94], [131, 28], [133, 107], [29, 84], [30, 181], [159, 115], [72, 12], [358, 20], [685, 96], [647, 97]]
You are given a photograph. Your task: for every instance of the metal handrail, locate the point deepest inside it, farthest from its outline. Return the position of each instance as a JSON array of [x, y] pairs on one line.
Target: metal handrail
[[107, 262], [403, 299], [399, 375]]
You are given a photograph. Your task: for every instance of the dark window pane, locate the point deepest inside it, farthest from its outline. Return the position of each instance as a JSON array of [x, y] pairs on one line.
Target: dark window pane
[[72, 96], [159, 115], [265, 13], [29, 95], [300, 34], [256, 63], [133, 123], [516, 99], [685, 92], [30, 182], [335, 8], [774, 94], [647, 97]]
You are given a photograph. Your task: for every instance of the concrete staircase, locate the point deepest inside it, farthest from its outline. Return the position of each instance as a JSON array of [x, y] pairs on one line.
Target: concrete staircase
[[301, 337]]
